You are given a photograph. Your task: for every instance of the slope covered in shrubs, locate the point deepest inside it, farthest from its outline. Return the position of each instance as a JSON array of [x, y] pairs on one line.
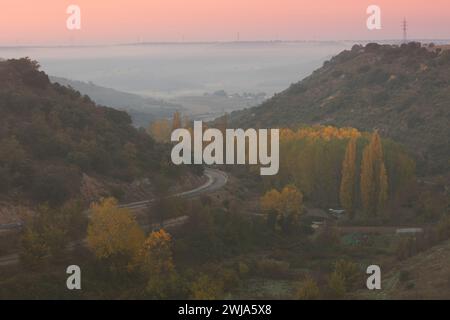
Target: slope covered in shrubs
[[403, 91], [50, 135]]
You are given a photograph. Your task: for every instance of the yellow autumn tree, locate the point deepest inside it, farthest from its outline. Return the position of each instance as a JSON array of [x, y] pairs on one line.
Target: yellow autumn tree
[[376, 148], [156, 262], [270, 203], [160, 130], [380, 175], [271, 200], [287, 205], [367, 185], [374, 179], [113, 234], [291, 200], [187, 122], [383, 190], [176, 121], [308, 290], [346, 193]]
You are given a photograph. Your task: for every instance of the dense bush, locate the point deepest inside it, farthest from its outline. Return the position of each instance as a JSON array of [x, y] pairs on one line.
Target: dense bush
[[270, 268]]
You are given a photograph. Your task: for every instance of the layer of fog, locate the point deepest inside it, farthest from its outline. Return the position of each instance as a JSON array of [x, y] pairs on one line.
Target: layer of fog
[[173, 70]]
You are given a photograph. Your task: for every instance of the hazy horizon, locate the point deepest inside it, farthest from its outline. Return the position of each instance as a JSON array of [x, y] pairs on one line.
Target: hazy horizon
[[177, 69], [250, 41], [136, 21], [171, 70]]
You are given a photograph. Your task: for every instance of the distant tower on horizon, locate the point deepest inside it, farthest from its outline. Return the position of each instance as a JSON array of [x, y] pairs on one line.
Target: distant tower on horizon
[[405, 30]]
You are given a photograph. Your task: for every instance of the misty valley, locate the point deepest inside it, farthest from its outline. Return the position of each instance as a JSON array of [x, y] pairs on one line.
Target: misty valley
[[153, 183]]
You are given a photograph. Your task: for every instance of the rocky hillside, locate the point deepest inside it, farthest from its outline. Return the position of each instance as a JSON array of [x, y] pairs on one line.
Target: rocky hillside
[[423, 276], [403, 91], [51, 135]]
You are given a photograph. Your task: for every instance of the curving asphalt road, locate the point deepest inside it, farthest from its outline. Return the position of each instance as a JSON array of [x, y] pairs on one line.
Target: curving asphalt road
[[216, 180]]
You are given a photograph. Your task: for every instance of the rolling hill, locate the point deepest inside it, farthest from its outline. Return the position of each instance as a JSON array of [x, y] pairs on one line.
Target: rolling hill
[[423, 276], [51, 135], [403, 91], [142, 110]]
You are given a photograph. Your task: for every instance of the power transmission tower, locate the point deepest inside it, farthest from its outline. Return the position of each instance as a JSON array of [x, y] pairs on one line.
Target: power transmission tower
[[405, 30]]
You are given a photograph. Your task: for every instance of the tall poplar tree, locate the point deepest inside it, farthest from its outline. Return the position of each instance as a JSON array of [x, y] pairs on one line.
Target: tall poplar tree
[[347, 188], [367, 185], [374, 179], [176, 122], [383, 190]]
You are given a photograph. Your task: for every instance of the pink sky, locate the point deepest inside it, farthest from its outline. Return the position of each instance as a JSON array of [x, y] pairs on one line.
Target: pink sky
[[115, 21]]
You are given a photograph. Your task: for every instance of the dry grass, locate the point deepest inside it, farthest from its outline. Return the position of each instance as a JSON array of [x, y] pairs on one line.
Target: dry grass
[[424, 276]]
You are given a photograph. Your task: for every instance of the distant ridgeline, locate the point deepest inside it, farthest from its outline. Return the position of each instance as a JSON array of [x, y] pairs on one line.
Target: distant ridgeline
[[142, 110], [50, 135], [403, 91]]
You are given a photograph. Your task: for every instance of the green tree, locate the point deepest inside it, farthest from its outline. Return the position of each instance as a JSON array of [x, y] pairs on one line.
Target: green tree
[[33, 249], [46, 236], [336, 285], [349, 271], [205, 288]]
